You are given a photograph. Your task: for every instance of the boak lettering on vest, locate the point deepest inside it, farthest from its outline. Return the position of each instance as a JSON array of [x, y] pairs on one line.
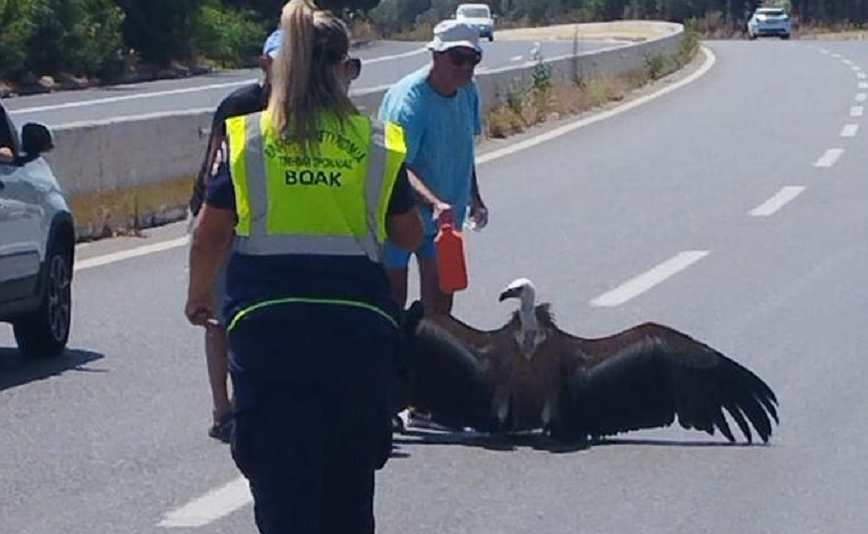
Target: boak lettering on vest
[[307, 177]]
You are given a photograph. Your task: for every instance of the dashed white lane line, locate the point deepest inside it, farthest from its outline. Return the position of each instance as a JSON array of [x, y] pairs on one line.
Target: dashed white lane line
[[856, 68], [860, 97], [847, 62], [516, 58], [849, 130], [778, 201], [861, 75], [836, 56], [829, 158], [863, 85], [645, 281], [857, 111], [81, 265], [210, 507]]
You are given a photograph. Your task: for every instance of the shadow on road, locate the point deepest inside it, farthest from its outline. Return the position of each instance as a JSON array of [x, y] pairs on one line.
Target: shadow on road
[[16, 370], [536, 441]]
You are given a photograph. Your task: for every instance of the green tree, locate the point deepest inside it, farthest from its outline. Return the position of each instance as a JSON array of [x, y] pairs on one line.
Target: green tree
[[75, 36], [160, 30], [230, 36], [17, 17]]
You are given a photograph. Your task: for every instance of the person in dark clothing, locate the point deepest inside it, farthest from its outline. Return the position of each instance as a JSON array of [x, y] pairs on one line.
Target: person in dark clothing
[[6, 142], [243, 101], [307, 198]]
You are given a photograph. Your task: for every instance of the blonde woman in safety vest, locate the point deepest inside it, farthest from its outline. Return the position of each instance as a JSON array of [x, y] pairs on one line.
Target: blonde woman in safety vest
[[312, 189]]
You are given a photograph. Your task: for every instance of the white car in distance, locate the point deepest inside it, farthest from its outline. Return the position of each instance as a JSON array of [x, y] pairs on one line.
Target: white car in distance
[[769, 21], [479, 16]]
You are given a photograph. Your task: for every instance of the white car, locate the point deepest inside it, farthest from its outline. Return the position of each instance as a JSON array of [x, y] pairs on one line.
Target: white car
[[774, 21], [37, 240], [479, 16]]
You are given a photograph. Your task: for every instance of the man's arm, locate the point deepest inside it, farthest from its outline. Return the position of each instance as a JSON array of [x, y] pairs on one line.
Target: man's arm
[[443, 212]]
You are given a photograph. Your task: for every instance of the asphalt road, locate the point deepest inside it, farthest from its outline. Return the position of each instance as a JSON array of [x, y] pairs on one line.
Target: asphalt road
[[112, 437], [385, 62]]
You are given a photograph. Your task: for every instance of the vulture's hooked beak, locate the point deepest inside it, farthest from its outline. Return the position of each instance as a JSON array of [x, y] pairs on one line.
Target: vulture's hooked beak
[[510, 293]]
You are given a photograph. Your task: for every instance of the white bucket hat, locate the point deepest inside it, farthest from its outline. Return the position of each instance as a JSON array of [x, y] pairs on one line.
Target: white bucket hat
[[452, 34]]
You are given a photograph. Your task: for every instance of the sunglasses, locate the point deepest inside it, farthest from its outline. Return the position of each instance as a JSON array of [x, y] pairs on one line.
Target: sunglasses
[[460, 58], [354, 67]]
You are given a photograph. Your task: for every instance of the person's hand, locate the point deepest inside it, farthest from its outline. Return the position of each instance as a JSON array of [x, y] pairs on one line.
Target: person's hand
[[478, 214], [444, 213], [200, 311], [6, 155]]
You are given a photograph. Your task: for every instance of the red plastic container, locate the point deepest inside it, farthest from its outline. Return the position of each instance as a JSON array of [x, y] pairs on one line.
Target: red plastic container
[[451, 266]]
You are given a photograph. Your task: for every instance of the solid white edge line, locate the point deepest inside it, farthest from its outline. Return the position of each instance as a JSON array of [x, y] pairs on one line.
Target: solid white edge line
[[485, 158], [778, 201], [645, 281], [97, 261], [563, 130], [210, 507], [829, 158], [185, 90], [849, 130]]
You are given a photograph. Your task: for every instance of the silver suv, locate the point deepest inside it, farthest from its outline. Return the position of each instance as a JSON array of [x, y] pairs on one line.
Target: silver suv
[[37, 240]]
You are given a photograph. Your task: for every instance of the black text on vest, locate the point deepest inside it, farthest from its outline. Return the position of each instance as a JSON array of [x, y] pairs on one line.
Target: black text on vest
[[306, 177]]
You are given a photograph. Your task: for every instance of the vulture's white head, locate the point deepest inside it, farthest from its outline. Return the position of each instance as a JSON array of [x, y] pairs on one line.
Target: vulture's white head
[[522, 289], [530, 335]]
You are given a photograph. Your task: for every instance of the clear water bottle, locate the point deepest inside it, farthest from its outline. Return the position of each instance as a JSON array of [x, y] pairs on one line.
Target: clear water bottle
[[473, 223]]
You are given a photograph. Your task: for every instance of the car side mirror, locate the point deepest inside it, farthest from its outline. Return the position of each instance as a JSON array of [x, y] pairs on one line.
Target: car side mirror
[[36, 139]]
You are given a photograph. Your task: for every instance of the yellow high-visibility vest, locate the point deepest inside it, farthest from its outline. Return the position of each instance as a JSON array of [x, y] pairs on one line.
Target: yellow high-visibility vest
[[331, 199]]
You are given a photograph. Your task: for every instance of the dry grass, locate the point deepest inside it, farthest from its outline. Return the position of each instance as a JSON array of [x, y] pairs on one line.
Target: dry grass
[[539, 106], [626, 30], [421, 32]]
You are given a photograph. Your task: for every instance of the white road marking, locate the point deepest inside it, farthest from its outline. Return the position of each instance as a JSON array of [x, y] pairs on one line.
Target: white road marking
[[89, 263], [516, 58], [829, 158], [856, 68], [210, 507], [860, 75], [781, 198], [857, 111], [642, 283], [849, 130], [860, 97], [186, 90], [836, 56], [111, 100], [847, 61], [863, 85]]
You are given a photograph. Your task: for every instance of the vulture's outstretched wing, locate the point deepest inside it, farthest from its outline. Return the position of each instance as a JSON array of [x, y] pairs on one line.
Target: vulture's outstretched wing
[[645, 376], [446, 378]]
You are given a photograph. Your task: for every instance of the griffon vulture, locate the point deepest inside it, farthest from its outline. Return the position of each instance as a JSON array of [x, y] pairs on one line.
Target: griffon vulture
[[530, 375]]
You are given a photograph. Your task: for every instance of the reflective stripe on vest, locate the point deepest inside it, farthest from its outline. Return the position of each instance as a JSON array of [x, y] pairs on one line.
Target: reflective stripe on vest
[[332, 200]]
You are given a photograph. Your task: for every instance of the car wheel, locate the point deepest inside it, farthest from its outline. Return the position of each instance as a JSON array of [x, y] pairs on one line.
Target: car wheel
[[490, 37], [785, 36], [751, 36], [45, 333]]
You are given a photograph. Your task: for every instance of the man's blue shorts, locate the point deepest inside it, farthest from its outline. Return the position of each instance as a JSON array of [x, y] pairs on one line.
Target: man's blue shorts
[[398, 258]]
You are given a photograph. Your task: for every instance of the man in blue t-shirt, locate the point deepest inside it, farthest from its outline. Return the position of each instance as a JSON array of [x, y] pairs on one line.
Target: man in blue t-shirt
[[439, 110]]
